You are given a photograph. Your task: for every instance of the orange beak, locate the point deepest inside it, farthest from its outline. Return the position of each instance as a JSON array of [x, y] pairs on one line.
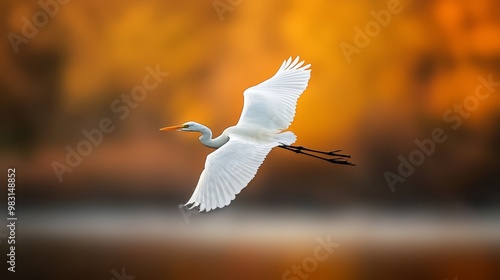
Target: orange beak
[[171, 127]]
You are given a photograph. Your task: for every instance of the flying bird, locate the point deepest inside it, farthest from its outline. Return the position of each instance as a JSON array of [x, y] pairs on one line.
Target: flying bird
[[268, 110]]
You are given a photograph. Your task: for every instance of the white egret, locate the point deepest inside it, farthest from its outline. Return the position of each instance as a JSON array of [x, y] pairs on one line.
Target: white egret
[[269, 109]]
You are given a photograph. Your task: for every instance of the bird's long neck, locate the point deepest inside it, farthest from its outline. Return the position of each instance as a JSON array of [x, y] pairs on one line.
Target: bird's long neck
[[206, 138]]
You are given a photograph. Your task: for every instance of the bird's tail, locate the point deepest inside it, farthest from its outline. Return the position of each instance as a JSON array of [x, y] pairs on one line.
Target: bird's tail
[[286, 138]]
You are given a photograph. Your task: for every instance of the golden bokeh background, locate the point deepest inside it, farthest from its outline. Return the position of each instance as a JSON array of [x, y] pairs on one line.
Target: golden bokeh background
[[65, 74]]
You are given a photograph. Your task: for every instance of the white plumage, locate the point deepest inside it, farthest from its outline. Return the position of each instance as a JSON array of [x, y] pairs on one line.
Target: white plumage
[[269, 108], [271, 104], [227, 171]]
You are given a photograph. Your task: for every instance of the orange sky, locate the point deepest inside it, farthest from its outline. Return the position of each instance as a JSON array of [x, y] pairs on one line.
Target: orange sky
[[427, 58]]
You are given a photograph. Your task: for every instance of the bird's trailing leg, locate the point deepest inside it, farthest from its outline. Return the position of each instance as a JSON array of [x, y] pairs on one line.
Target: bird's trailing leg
[[330, 153], [333, 156]]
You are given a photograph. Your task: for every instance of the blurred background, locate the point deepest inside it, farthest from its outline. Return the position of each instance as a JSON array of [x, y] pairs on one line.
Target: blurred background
[[114, 214]]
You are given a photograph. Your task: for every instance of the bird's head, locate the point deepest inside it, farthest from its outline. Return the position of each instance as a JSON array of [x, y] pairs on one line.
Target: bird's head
[[188, 126]]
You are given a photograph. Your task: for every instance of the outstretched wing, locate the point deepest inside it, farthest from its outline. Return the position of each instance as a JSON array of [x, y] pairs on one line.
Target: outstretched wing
[[227, 171], [271, 104]]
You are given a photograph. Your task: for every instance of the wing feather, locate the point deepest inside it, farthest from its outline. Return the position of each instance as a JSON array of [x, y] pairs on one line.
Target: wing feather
[[227, 171], [272, 103]]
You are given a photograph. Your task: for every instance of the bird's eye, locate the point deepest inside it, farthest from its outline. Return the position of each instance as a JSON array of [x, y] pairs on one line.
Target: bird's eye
[[186, 126]]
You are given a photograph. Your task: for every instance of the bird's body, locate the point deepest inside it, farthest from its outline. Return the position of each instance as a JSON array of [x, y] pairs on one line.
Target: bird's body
[[253, 134], [269, 109]]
